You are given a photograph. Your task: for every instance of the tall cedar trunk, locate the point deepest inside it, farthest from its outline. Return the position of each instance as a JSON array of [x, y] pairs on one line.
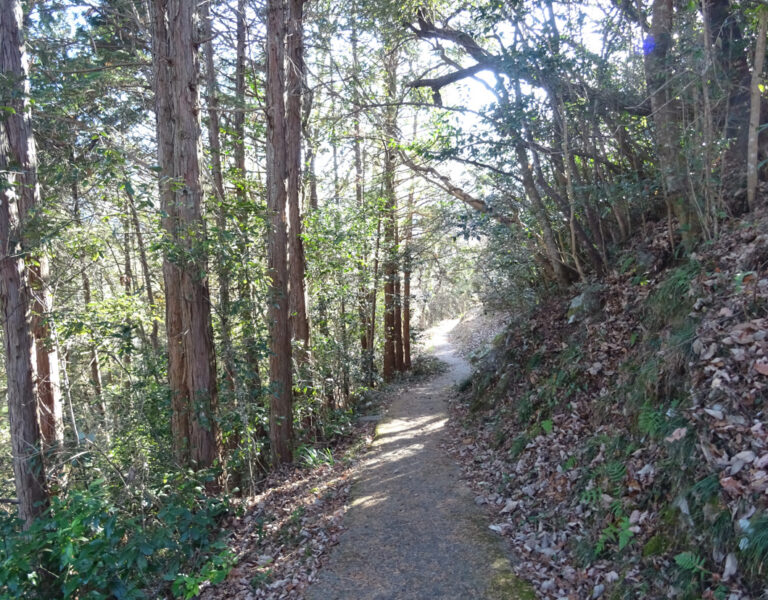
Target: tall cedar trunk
[[244, 288], [297, 266], [214, 141], [366, 348], [47, 356], [171, 271], [667, 121], [192, 368], [390, 208], [18, 194], [281, 409], [197, 336]]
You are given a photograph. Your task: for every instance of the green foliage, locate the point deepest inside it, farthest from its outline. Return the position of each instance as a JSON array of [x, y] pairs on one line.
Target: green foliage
[[689, 561], [671, 300], [89, 546], [618, 533], [754, 544], [312, 458], [518, 445]]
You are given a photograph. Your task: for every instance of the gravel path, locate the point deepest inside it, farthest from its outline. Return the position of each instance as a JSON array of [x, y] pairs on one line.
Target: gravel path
[[413, 530]]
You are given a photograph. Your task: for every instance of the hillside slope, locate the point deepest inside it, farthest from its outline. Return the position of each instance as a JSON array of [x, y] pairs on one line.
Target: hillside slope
[[618, 438]]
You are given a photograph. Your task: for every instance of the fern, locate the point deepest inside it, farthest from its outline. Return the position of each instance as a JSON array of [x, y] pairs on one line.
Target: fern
[[651, 421], [625, 533], [689, 561], [615, 471]]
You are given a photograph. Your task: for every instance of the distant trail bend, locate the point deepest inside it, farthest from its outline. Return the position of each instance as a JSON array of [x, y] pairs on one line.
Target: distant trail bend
[[413, 531]]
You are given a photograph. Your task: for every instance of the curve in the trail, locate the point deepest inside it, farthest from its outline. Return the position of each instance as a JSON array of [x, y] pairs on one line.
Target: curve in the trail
[[413, 530]]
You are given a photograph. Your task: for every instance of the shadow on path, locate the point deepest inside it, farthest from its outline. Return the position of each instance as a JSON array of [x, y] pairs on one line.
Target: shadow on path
[[413, 530]]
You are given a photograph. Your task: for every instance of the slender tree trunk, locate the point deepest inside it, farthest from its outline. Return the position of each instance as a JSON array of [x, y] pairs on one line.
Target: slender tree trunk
[[214, 141], [294, 89], [94, 364], [407, 267], [18, 194], [399, 364], [47, 356], [756, 103], [372, 299], [253, 378], [390, 210], [146, 273], [540, 212], [281, 409]]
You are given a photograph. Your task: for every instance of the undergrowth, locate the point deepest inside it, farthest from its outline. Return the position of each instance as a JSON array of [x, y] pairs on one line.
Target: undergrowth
[[90, 545]]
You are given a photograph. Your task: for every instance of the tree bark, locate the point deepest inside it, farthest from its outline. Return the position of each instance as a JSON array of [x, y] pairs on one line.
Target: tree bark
[[161, 56], [196, 309], [18, 194], [146, 273], [296, 264], [190, 334], [755, 105], [399, 361], [390, 208], [47, 356], [214, 141], [407, 268], [281, 409], [253, 376]]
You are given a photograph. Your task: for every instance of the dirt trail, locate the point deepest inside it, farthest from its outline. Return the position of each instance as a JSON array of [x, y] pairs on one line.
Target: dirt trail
[[413, 530]]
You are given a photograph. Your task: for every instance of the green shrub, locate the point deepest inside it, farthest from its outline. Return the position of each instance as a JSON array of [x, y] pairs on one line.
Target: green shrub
[[88, 546]]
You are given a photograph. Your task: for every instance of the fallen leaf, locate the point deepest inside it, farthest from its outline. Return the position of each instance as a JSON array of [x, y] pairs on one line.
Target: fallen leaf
[[677, 434]]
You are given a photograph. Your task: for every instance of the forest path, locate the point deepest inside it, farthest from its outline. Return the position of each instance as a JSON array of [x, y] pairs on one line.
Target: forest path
[[413, 530]]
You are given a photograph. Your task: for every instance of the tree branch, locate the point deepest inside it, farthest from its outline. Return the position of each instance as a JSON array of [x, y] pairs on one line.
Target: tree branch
[[441, 181]]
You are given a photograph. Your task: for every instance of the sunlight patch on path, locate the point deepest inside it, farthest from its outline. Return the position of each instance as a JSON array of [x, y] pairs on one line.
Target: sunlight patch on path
[[413, 530]]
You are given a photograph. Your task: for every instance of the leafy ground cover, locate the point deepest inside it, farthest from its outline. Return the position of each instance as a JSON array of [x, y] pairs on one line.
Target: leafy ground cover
[[624, 454]]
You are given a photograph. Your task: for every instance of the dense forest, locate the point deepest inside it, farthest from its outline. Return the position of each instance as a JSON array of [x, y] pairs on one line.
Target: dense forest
[[226, 224]]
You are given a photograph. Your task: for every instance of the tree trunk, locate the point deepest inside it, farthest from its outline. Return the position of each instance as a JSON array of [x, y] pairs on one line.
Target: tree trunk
[[399, 364], [727, 42], [540, 212], [407, 267], [214, 141], [18, 194], [171, 271], [390, 210], [253, 378], [192, 368], [197, 330], [756, 103], [667, 122], [281, 409], [146, 273], [294, 89], [95, 364], [47, 356]]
